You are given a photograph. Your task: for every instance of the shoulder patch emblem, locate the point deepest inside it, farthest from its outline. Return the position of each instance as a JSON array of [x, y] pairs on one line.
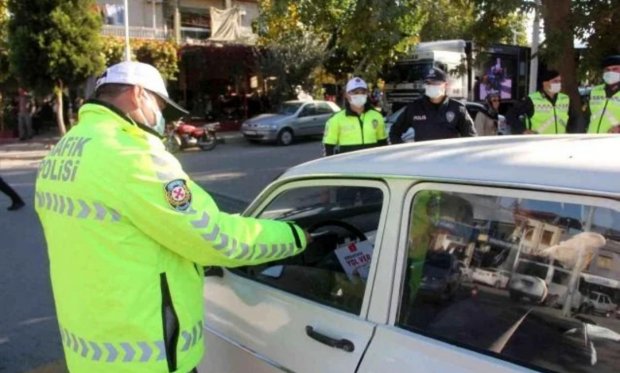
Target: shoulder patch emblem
[[375, 123], [178, 195], [450, 116]]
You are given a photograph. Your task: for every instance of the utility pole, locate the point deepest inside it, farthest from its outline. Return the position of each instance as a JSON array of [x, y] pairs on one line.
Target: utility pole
[[535, 44], [127, 48], [154, 16], [177, 22]]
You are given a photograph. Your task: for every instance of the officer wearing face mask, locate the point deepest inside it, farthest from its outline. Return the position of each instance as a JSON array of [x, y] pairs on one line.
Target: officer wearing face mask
[[358, 126], [434, 116], [545, 111], [605, 99], [128, 233]]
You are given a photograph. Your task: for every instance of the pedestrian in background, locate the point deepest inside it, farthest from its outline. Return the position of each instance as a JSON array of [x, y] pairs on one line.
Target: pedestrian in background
[[16, 201], [358, 126], [128, 233], [487, 120], [604, 105], [435, 115], [544, 112], [26, 108]]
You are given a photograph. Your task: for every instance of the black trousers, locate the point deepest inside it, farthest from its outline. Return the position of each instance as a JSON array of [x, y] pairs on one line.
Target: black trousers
[[6, 189]]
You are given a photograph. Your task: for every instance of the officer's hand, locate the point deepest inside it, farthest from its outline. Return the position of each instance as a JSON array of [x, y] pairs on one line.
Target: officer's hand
[[530, 132], [614, 129]]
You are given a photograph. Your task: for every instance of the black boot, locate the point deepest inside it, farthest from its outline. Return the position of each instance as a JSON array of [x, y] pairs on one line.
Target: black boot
[[18, 203]]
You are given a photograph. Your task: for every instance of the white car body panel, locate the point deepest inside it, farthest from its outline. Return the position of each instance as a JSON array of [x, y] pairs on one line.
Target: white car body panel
[[398, 351], [272, 323], [253, 327]]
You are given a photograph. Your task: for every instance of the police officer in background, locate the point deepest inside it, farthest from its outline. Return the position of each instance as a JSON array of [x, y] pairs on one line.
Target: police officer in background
[[434, 116], [546, 111], [128, 233], [358, 126], [605, 99]]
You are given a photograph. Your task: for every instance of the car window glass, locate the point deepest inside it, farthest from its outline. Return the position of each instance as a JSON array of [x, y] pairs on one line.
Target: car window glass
[[555, 309], [323, 108], [334, 268], [308, 110]]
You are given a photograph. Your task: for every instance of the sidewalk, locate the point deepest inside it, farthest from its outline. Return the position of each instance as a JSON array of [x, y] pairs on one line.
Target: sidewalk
[[33, 149], [38, 147]]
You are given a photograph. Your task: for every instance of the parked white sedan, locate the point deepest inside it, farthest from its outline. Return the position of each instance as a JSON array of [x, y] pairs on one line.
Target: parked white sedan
[[352, 302], [491, 276]]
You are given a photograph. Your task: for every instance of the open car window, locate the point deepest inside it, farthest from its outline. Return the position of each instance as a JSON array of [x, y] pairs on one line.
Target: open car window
[[333, 270], [560, 258]]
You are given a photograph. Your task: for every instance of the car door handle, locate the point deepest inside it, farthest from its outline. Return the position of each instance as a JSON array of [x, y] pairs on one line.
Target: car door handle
[[343, 344]]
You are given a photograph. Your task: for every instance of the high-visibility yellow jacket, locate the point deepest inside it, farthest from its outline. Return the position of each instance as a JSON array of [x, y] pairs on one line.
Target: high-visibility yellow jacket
[[127, 235], [605, 111], [549, 118], [349, 131]]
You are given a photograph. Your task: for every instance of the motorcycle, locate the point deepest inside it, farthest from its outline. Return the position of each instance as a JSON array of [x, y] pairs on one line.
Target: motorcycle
[[181, 135]]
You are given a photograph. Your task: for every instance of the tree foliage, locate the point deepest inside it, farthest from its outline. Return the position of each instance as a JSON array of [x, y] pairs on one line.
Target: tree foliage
[[161, 54], [54, 43], [363, 36], [4, 48]]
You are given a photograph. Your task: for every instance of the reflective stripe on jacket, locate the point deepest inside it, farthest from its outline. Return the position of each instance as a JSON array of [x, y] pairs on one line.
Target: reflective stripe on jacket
[[349, 131], [605, 111], [549, 118], [127, 234]]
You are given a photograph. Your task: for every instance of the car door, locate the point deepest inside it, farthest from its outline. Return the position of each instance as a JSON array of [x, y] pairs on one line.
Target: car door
[[306, 313], [306, 120], [483, 329], [324, 112]]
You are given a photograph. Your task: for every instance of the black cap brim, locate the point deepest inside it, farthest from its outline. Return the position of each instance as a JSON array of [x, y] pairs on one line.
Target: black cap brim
[[172, 111]]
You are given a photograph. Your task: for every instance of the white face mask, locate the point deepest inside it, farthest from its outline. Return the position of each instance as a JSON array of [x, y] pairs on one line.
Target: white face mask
[[160, 123], [611, 77], [555, 87], [434, 91], [358, 100]]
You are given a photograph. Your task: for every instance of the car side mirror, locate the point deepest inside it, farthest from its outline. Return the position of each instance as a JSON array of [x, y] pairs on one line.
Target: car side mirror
[[214, 271]]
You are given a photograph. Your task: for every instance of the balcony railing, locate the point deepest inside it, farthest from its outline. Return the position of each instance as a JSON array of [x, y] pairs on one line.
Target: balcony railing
[[135, 32], [190, 35]]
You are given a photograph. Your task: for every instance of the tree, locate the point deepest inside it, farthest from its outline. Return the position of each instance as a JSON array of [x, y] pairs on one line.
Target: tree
[[363, 36], [53, 44], [564, 22], [161, 54]]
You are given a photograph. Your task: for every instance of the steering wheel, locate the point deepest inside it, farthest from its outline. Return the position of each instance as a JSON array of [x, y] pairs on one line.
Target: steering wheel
[[319, 249], [355, 232]]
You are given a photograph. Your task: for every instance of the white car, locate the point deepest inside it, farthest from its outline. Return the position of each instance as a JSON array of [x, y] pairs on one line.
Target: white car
[[352, 302], [491, 276], [597, 302]]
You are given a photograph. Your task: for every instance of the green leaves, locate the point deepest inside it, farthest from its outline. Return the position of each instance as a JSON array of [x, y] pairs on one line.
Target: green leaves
[[54, 41]]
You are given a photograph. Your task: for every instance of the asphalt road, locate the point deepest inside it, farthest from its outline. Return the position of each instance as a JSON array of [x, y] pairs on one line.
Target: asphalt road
[[234, 173]]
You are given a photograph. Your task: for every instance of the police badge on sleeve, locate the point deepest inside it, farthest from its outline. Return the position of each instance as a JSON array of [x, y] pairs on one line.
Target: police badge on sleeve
[[450, 116], [178, 194]]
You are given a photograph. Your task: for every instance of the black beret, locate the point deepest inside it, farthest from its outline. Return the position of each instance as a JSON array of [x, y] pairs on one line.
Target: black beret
[[437, 75], [610, 61]]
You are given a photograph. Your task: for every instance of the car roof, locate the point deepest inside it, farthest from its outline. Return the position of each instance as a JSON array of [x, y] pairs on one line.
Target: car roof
[[570, 162]]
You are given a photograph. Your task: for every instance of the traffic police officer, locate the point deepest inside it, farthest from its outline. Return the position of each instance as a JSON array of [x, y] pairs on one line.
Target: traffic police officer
[[358, 126], [128, 233], [434, 116], [545, 111], [605, 99]]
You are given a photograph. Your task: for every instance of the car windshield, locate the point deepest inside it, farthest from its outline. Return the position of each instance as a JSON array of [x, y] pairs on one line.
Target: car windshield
[[289, 108], [410, 71]]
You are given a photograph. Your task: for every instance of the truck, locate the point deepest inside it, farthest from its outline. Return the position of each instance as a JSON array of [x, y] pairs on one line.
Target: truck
[[473, 72]]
